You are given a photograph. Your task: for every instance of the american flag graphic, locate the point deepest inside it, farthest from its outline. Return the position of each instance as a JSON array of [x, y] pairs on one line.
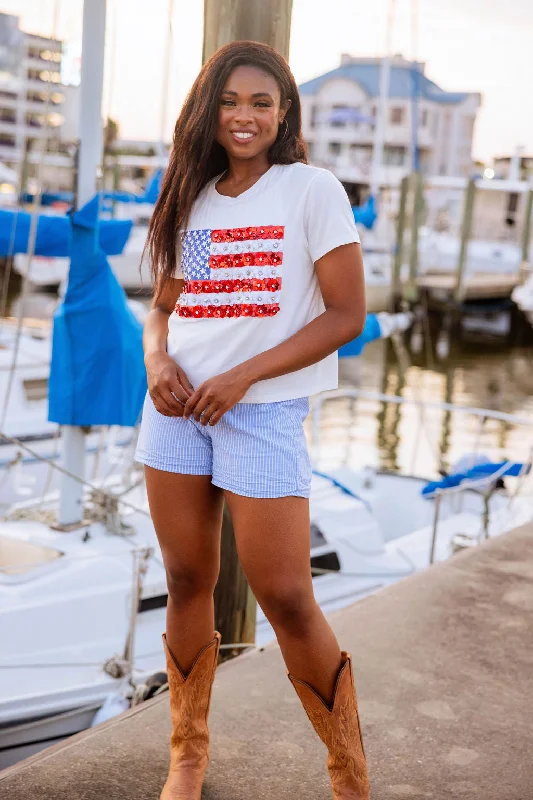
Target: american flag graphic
[[231, 273]]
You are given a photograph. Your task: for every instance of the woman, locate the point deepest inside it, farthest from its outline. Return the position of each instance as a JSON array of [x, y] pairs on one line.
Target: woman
[[259, 280]]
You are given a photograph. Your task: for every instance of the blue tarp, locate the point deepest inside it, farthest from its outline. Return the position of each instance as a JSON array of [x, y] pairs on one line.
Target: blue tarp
[[97, 375], [47, 198], [153, 187], [366, 214], [54, 234], [477, 473], [150, 194], [371, 331]]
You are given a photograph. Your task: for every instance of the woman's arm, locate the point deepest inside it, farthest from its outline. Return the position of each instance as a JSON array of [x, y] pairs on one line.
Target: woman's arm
[[165, 377], [341, 278]]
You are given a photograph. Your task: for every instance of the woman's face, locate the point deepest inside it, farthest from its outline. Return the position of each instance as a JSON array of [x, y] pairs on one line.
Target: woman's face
[[249, 113]]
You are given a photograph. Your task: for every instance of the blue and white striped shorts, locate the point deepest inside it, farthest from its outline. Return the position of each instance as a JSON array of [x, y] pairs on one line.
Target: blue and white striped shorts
[[255, 450]]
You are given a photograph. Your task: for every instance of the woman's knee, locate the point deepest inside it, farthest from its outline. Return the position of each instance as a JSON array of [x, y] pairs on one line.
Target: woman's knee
[[288, 605], [187, 582]]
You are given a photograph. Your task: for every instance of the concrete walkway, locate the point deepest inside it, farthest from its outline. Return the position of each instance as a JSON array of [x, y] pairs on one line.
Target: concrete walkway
[[444, 666]]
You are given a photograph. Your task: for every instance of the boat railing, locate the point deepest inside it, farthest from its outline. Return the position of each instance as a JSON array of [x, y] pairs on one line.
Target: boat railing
[[485, 485], [423, 406]]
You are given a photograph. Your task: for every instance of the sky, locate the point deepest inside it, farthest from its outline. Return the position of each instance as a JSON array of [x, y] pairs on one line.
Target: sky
[[467, 45]]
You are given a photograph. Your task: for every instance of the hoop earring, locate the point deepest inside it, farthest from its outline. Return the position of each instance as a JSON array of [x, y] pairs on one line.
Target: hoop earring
[[286, 131]]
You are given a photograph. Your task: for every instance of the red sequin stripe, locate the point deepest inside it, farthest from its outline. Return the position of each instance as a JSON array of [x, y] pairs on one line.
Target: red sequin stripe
[[247, 285], [246, 310], [229, 260], [242, 234]]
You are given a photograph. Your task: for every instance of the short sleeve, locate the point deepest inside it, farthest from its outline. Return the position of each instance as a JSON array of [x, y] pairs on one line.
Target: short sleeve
[[328, 216]]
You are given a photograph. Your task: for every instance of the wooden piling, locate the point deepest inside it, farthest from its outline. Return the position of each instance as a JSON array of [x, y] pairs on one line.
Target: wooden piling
[[225, 21], [466, 229], [267, 21], [399, 250], [411, 289], [526, 233]]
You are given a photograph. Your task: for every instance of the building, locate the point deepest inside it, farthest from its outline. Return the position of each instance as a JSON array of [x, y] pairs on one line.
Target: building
[[35, 107], [340, 108], [516, 167]]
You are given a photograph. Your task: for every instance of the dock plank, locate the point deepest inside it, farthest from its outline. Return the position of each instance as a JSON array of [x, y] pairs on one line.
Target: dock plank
[[443, 663], [480, 286]]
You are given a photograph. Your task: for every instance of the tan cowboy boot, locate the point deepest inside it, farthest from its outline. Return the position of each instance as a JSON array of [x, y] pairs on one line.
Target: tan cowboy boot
[[189, 706], [339, 729]]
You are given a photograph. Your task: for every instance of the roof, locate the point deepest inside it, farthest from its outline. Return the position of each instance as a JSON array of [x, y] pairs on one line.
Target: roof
[[402, 82]]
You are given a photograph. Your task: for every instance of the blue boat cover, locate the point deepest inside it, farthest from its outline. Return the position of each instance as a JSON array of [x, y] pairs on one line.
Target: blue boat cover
[[477, 473], [366, 214], [153, 187], [97, 375], [150, 194], [54, 234], [47, 198], [371, 331]]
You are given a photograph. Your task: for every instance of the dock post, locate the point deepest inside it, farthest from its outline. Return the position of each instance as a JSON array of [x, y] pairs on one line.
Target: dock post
[[399, 249], [411, 289], [228, 21], [466, 229], [526, 234], [232, 20]]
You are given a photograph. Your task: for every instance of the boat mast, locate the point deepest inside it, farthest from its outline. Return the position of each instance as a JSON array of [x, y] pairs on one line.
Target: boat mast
[[167, 62], [382, 108], [90, 159], [415, 88]]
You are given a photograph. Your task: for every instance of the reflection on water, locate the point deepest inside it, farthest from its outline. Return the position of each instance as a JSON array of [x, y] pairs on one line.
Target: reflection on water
[[362, 432]]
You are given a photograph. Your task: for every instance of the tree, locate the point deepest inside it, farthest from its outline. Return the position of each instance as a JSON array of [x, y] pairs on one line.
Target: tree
[[111, 132]]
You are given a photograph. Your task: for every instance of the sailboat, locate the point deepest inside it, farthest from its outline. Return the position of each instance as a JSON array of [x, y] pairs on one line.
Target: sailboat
[[82, 582], [48, 268]]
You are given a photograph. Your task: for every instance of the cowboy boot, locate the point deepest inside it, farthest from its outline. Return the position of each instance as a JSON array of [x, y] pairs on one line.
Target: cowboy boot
[[190, 696], [339, 729]]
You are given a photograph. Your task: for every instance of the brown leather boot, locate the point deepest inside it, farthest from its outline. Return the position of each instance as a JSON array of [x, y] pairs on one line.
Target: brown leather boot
[[339, 729], [189, 706]]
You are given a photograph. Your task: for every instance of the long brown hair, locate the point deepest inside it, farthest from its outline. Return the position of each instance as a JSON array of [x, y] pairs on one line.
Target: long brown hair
[[196, 158]]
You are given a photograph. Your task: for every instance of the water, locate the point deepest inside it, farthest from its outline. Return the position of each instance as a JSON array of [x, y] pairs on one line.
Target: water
[[394, 437], [362, 432]]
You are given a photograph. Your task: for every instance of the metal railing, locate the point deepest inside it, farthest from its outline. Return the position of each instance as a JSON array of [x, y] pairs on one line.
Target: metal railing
[[485, 485], [423, 406]]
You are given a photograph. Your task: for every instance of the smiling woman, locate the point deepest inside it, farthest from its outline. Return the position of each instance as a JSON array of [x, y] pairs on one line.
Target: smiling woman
[[250, 116], [220, 95], [259, 281]]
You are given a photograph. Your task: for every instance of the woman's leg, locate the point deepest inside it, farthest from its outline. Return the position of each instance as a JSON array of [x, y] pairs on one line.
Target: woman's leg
[[187, 514], [273, 542]]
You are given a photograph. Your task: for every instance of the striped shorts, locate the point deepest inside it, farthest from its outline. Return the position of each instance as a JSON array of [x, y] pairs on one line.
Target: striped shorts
[[255, 450]]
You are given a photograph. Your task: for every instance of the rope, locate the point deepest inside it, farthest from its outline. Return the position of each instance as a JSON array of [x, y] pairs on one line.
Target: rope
[[342, 486], [96, 489], [69, 664]]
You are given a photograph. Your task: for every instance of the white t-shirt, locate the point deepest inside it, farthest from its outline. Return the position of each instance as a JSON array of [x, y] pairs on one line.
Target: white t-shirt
[[250, 282]]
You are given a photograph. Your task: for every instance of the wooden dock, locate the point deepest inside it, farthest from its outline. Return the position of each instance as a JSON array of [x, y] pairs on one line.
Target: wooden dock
[[481, 286], [443, 663]]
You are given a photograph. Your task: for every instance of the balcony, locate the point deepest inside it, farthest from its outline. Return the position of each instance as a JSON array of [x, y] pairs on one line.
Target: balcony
[[10, 130], [9, 99], [10, 153], [359, 133]]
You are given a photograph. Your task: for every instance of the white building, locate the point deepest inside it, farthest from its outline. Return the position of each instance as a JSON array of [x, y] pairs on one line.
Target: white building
[[340, 107], [33, 106]]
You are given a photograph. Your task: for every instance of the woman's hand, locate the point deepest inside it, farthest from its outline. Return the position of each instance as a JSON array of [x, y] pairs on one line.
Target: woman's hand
[[168, 385], [217, 395]]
